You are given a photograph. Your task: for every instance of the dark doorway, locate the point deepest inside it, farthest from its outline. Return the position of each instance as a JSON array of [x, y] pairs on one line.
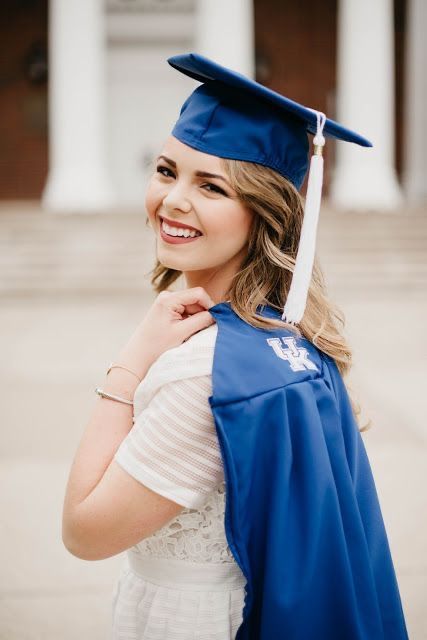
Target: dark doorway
[[296, 55], [295, 45]]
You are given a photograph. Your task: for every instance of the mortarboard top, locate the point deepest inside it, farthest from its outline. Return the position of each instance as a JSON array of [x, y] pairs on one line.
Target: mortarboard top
[[232, 116]]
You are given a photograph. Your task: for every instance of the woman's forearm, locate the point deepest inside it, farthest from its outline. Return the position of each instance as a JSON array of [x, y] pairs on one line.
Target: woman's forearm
[[97, 490], [109, 423]]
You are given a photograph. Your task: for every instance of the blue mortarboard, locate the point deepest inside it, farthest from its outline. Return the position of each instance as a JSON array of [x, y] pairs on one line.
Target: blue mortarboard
[[232, 116]]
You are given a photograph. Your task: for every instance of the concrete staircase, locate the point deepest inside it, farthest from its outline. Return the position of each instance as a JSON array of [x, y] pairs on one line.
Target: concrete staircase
[[374, 251], [65, 254], [46, 254]]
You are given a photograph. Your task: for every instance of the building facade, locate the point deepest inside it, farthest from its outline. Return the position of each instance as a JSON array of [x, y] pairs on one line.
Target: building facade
[[87, 96]]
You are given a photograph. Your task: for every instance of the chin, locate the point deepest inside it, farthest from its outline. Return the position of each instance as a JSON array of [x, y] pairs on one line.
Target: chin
[[170, 263], [180, 265]]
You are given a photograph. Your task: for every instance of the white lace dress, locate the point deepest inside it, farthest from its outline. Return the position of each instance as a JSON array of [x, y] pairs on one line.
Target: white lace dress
[[182, 582]]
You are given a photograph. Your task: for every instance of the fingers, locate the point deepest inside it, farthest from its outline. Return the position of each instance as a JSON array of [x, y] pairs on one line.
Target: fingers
[[181, 314], [195, 323], [195, 295]]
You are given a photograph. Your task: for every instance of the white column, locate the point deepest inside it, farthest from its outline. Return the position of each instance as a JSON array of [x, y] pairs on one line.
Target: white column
[[366, 178], [78, 176], [415, 151], [225, 33]]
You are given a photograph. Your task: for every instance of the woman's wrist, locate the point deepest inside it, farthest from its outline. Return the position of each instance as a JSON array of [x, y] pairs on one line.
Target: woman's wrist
[[135, 358], [120, 382]]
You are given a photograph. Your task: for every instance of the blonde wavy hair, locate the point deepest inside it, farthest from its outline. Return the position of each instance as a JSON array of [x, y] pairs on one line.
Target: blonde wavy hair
[[265, 275]]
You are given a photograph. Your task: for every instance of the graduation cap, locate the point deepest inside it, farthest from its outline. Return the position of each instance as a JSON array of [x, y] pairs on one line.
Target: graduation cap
[[232, 116]]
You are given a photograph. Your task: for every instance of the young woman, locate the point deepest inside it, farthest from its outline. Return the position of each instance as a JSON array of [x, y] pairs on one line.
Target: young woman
[[224, 453]]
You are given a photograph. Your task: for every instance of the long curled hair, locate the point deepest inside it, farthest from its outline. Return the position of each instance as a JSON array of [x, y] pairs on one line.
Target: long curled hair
[[265, 275]]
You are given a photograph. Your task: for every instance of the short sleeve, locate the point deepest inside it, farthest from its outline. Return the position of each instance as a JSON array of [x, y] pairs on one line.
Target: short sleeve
[[173, 447]]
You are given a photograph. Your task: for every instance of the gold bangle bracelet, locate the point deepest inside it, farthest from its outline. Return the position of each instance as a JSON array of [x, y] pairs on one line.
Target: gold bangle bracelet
[[120, 366], [110, 396]]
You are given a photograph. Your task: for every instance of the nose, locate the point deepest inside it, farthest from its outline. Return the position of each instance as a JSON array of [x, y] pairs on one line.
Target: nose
[[177, 199]]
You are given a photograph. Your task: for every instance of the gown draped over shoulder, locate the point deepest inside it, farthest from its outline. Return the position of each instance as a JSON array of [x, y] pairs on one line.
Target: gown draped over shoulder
[[281, 536]]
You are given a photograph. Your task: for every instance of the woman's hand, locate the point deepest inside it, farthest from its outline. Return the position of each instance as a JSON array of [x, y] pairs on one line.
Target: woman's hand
[[172, 319]]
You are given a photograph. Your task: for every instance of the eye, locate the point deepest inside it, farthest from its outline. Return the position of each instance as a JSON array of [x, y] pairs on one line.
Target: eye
[[161, 169], [214, 188]]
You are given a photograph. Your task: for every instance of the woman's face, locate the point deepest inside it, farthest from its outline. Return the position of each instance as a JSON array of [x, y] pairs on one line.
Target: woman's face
[[181, 191]]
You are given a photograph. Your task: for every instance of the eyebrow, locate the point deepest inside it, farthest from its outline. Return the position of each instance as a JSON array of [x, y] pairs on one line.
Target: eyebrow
[[199, 174]]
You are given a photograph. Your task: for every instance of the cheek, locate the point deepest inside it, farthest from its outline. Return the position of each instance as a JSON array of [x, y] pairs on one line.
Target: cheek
[[153, 199], [230, 226]]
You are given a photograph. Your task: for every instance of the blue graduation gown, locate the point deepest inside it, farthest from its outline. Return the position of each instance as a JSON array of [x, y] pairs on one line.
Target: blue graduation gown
[[302, 515]]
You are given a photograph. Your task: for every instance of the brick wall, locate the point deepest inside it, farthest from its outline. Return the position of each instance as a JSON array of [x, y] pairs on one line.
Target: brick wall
[[23, 98]]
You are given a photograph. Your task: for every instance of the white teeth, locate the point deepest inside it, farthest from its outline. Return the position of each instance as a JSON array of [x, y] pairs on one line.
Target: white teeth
[[178, 231]]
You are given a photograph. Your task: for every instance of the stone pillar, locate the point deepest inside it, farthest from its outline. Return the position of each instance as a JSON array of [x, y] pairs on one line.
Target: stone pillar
[[366, 178], [78, 176], [225, 33], [415, 151]]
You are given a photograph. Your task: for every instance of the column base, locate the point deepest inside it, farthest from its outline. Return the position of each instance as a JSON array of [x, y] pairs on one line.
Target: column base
[[415, 187], [364, 187], [79, 191]]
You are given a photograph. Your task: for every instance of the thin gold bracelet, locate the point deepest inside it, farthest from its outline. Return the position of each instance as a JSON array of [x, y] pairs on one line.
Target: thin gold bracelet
[[120, 366]]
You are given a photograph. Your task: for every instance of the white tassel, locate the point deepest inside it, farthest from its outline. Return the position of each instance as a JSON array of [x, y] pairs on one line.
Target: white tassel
[[297, 297]]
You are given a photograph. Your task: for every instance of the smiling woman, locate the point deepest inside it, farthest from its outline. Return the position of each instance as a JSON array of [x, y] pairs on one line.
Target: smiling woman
[[224, 454], [179, 193]]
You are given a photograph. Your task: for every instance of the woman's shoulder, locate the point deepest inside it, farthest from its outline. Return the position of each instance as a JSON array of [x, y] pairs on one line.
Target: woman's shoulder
[[196, 346], [193, 358]]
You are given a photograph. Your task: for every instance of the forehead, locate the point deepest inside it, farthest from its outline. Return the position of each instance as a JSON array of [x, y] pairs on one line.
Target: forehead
[[185, 155]]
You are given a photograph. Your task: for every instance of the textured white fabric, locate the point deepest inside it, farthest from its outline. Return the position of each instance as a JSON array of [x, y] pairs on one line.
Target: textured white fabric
[[159, 600], [196, 535], [173, 449]]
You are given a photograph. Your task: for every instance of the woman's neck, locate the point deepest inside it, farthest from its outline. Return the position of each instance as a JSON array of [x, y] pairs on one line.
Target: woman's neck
[[216, 287], [216, 281]]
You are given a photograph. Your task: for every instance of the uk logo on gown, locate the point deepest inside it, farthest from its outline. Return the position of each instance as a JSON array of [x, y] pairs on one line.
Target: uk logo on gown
[[297, 357]]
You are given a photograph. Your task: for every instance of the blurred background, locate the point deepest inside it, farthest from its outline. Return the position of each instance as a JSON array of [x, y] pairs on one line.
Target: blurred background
[[86, 101]]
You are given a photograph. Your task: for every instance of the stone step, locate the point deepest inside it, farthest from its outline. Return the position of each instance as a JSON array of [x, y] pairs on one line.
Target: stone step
[[46, 254]]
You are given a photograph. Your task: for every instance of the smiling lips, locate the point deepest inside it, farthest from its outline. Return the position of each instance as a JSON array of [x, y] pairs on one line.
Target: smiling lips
[[179, 225], [178, 234]]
